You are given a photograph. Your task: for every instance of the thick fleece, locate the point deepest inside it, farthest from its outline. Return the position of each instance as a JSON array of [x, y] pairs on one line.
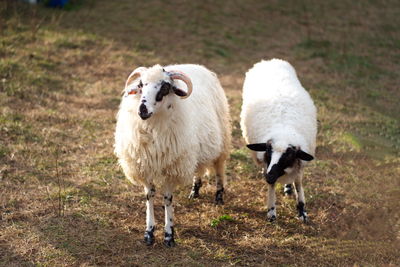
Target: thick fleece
[[277, 107], [183, 137]]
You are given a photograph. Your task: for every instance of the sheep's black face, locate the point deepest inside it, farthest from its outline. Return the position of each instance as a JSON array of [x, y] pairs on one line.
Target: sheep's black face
[[152, 87], [287, 160], [277, 164], [152, 96]]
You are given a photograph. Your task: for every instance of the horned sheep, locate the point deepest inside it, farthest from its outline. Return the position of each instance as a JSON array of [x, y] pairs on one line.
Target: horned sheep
[[278, 121], [173, 125]]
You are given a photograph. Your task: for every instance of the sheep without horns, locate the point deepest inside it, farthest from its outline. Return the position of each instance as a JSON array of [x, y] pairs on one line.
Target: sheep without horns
[[278, 121], [167, 135]]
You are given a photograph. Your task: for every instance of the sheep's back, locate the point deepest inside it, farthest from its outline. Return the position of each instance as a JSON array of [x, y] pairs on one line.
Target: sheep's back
[[273, 98], [209, 112]]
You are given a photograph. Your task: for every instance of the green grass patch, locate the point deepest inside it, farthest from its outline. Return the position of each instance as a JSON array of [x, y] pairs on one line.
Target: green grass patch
[[241, 154], [317, 48], [218, 49], [220, 219], [14, 127], [4, 151], [351, 141]]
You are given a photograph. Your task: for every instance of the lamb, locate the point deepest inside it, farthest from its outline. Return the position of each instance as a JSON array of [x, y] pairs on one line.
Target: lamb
[[165, 138], [278, 122]]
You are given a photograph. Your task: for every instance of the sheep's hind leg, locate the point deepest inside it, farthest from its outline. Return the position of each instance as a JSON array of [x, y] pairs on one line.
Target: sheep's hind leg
[[288, 190], [195, 187], [169, 240], [150, 225], [271, 213], [220, 180], [302, 214]]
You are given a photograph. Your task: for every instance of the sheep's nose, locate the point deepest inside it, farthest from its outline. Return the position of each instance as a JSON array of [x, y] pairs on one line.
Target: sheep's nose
[[143, 112], [271, 177]]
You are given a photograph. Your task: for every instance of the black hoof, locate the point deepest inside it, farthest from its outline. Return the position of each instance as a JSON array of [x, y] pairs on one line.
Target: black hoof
[[288, 190], [149, 237], [219, 197], [272, 218], [169, 243], [302, 212], [303, 218], [169, 240]]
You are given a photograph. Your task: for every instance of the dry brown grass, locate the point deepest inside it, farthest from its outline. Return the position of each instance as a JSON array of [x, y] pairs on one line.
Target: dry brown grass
[[63, 199]]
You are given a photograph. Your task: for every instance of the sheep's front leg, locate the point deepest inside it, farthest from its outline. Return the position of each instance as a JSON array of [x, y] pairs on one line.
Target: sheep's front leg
[[271, 213], [302, 214], [195, 187], [150, 225], [169, 240]]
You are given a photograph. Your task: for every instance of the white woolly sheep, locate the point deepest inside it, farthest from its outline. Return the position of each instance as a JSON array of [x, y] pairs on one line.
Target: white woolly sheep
[[279, 124], [165, 138]]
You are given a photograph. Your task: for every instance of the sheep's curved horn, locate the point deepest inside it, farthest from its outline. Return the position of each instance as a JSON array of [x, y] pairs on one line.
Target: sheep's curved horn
[[177, 75], [134, 75]]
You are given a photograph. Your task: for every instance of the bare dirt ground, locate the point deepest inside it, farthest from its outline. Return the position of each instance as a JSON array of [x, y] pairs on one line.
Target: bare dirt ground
[[65, 202]]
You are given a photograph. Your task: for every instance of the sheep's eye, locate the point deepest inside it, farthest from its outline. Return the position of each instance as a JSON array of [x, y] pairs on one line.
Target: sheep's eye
[[165, 88], [140, 85], [287, 158]]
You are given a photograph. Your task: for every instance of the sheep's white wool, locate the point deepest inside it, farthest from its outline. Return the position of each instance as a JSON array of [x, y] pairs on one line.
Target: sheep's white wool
[[154, 73], [276, 106], [184, 136]]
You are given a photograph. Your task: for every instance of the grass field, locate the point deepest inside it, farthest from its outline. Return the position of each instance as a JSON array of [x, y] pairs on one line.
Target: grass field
[[65, 202]]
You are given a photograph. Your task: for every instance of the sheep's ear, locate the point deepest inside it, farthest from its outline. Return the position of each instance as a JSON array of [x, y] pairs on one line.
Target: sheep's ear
[[179, 92], [258, 147], [303, 155]]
